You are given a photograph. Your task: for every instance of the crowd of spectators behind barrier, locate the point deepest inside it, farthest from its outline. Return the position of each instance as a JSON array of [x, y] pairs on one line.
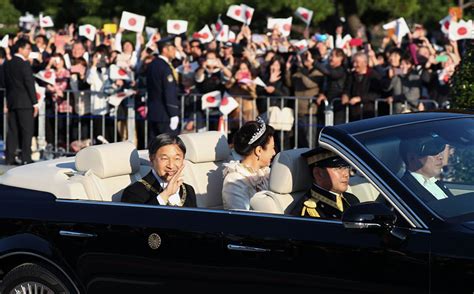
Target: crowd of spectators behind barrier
[[401, 72]]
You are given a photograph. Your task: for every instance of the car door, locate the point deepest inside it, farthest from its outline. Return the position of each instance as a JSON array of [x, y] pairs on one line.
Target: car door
[[133, 248], [288, 252]]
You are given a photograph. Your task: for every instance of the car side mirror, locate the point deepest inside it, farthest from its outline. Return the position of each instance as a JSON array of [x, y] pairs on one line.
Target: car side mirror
[[368, 215]]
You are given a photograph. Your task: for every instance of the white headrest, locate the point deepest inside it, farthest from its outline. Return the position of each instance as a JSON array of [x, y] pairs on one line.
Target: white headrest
[[206, 146], [109, 160], [290, 172]]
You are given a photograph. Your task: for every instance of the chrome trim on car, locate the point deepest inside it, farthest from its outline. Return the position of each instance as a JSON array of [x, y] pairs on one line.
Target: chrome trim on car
[[76, 234], [202, 209], [360, 225], [246, 248], [410, 216], [46, 259]]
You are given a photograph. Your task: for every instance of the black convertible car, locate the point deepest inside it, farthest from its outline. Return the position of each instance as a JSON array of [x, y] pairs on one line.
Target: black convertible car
[[63, 228]]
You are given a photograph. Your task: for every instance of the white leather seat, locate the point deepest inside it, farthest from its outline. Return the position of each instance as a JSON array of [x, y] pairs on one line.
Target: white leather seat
[[205, 155], [106, 170], [290, 179]]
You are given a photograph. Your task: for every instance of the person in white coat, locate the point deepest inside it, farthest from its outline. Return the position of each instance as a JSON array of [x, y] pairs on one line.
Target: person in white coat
[[242, 179]]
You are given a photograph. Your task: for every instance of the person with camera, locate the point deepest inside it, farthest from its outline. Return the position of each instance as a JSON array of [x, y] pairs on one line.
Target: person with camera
[[212, 75], [97, 77], [305, 78]]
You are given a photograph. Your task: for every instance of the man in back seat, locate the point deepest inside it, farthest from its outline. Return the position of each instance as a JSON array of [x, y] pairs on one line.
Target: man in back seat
[[164, 184], [328, 197]]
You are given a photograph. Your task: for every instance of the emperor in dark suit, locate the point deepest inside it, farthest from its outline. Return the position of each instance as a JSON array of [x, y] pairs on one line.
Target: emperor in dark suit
[[21, 99], [163, 103], [164, 184], [146, 190]]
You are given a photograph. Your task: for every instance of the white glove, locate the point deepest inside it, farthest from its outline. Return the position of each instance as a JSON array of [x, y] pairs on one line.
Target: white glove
[[174, 121]]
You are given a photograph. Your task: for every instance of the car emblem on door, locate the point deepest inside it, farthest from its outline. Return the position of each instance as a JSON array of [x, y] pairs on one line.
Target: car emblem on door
[[154, 241]]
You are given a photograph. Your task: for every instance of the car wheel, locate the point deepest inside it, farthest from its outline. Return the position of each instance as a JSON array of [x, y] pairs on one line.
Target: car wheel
[[31, 278]]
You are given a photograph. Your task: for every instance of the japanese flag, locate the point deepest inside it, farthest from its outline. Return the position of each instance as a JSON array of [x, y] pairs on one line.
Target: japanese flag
[[223, 35], [40, 93], [176, 27], [232, 36], [301, 45], [150, 32], [117, 98], [400, 26], [211, 99], [235, 12], [283, 25], [304, 14], [118, 73], [247, 13], [4, 42], [204, 35], [87, 31], [47, 76], [219, 25], [445, 23], [45, 21], [132, 22], [461, 30], [228, 104]]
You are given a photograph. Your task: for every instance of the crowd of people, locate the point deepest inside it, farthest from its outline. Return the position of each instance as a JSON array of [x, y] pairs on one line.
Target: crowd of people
[[331, 70]]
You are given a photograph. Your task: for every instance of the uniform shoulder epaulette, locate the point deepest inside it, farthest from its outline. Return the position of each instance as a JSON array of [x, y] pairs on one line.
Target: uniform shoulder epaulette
[[309, 207]]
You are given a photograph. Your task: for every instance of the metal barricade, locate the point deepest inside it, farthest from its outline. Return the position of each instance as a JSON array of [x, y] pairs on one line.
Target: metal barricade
[[378, 101], [303, 130]]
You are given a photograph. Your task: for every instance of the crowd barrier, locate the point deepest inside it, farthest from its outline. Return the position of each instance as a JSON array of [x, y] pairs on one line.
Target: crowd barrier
[[56, 130]]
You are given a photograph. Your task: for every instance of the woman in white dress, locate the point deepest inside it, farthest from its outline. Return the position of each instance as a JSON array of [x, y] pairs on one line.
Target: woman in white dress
[[242, 179]]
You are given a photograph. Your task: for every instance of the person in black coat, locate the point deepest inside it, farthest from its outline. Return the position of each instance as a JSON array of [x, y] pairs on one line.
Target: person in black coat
[[164, 184], [327, 197], [363, 85], [21, 103], [163, 103], [424, 159]]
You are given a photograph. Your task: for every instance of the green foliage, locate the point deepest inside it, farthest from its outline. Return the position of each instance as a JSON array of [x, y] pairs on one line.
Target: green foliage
[[8, 13], [462, 89]]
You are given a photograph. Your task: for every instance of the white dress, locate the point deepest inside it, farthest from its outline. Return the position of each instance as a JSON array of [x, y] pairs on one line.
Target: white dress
[[240, 184]]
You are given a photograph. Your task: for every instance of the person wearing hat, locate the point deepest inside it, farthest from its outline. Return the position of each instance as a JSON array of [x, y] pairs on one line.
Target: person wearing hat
[[163, 103], [424, 159], [328, 197]]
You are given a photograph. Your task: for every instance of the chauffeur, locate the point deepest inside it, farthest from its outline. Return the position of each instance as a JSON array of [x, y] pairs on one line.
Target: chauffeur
[[328, 197]]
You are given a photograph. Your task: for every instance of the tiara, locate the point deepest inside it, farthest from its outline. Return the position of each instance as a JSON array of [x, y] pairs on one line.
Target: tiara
[[260, 131]]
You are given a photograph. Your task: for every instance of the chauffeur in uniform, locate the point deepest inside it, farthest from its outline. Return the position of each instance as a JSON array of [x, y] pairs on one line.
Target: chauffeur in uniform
[[163, 104], [328, 197]]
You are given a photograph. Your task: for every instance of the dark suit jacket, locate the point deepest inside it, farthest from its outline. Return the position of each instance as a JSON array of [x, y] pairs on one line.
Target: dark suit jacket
[[163, 102], [139, 194], [20, 84], [420, 191]]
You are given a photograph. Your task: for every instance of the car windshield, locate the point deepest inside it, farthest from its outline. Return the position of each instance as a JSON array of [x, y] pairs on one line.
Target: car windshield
[[434, 159]]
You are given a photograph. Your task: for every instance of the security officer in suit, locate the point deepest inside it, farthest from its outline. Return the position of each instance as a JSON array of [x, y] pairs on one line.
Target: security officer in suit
[[328, 197], [21, 103], [163, 103]]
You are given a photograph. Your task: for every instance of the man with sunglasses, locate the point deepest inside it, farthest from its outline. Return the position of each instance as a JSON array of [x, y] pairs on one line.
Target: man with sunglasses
[[328, 197], [424, 159]]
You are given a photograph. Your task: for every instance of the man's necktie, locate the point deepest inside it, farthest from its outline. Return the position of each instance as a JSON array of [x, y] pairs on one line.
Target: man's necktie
[[339, 204]]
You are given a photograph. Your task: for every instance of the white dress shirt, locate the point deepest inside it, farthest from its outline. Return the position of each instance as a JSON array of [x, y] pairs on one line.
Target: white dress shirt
[[174, 200], [430, 185]]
